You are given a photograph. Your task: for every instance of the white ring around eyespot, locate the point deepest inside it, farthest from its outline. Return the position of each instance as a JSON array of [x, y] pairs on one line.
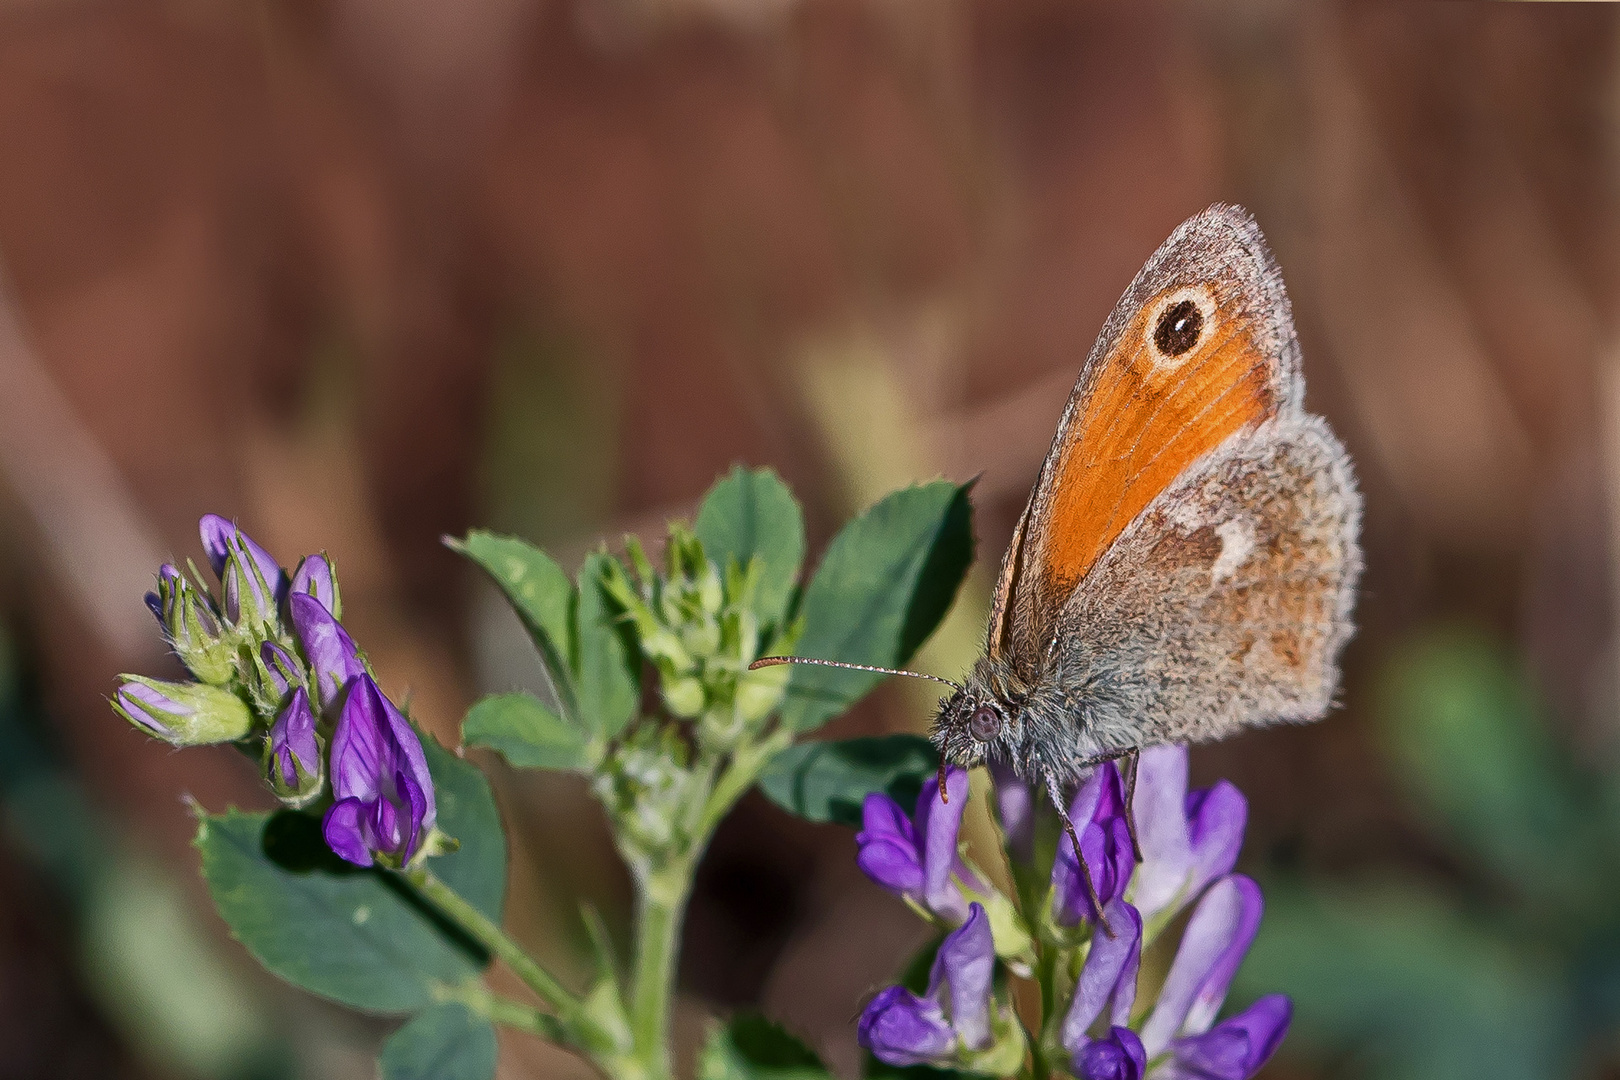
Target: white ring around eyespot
[[1203, 299]]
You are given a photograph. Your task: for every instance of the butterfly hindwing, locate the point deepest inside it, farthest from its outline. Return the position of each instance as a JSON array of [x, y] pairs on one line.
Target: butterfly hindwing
[[1226, 603]]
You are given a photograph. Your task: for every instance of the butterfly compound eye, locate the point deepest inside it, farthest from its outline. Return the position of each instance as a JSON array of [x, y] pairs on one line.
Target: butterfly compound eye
[[1179, 328], [985, 723]]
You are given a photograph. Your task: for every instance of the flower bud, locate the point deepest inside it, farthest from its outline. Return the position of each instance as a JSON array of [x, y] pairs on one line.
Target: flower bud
[[684, 697], [249, 597], [220, 537], [276, 672], [292, 752], [192, 627], [182, 714], [317, 577]]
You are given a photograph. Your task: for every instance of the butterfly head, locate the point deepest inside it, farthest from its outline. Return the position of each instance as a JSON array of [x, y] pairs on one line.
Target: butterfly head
[[976, 725]]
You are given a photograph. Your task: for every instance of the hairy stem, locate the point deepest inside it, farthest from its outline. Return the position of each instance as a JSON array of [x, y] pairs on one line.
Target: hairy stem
[[661, 909]]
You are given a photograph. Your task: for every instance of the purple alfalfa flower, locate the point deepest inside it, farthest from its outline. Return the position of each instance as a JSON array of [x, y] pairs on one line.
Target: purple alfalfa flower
[[333, 659], [292, 757], [1015, 809], [917, 858], [1179, 1031], [249, 575], [954, 1015], [1098, 813], [316, 577], [384, 804], [1107, 985], [1188, 838]]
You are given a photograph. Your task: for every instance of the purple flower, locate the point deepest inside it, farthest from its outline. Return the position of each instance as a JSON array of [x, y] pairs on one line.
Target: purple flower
[[1116, 1056], [1188, 838], [1015, 808], [1098, 811], [316, 577], [1107, 981], [380, 780], [282, 672], [248, 573], [902, 1029], [1222, 927], [332, 656], [917, 859], [293, 755]]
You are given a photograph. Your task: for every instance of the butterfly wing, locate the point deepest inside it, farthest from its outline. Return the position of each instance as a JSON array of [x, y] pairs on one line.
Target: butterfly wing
[[1226, 603], [1200, 347]]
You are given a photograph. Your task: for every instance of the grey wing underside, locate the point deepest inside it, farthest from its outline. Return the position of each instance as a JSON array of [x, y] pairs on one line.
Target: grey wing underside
[[1225, 604]]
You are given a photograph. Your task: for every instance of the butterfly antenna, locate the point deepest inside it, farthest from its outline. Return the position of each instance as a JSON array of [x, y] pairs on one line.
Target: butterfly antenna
[[773, 661]]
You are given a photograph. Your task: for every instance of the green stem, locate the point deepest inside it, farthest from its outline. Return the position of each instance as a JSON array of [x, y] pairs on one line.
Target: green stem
[[662, 906], [497, 1009], [493, 938]]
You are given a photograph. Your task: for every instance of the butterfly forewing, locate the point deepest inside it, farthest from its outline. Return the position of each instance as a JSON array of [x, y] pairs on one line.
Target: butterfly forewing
[[1199, 348]]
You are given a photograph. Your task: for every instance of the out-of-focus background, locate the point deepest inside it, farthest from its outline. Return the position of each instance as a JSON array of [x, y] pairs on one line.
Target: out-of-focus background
[[364, 272]]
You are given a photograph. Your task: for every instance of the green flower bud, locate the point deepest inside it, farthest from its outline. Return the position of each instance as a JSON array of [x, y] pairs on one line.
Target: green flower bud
[[182, 714], [760, 692], [684, 696]]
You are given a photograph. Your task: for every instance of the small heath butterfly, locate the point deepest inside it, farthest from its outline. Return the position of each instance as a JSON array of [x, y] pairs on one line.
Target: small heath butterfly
[[1187, 563]]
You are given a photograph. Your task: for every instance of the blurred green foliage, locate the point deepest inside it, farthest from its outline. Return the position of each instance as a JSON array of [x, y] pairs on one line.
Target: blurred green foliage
[[1508, 969]]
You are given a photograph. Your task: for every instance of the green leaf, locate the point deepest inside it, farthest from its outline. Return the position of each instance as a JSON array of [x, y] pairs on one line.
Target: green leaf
[[609, 683], [828, 781], [445, 1042], [539, 592], [1464, 730], [525, 732], [753, 515], [358, 936], [886, 581], [750, 1047], [1410, 987]]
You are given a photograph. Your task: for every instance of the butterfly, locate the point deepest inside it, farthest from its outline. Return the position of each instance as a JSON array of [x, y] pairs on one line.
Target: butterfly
[[1186, 566]]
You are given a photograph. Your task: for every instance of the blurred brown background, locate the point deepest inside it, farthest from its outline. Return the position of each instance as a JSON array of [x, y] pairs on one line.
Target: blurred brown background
[[364, 272]]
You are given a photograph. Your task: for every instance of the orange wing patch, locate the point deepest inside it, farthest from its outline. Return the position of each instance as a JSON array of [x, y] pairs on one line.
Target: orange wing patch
[[1161, 398]]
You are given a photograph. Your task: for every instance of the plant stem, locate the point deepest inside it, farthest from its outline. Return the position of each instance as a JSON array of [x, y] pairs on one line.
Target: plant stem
[[497, 1009], [493, 938], [662, 907]]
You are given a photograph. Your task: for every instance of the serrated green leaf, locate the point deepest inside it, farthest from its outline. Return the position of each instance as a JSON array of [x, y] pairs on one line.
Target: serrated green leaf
[[751, 514], [751, 1047], [886, 581], [538, 591], [828, 781], [445, 1042], [359, 937], [523, 730], [608, 664]]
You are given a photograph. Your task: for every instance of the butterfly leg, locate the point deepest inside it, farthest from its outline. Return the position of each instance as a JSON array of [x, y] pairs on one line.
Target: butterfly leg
[[1056, 794], [1135, 759]]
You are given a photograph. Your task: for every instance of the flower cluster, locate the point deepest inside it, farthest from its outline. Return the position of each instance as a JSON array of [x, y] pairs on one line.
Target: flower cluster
[[1190, 842], [275, 672], [700, 630]]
